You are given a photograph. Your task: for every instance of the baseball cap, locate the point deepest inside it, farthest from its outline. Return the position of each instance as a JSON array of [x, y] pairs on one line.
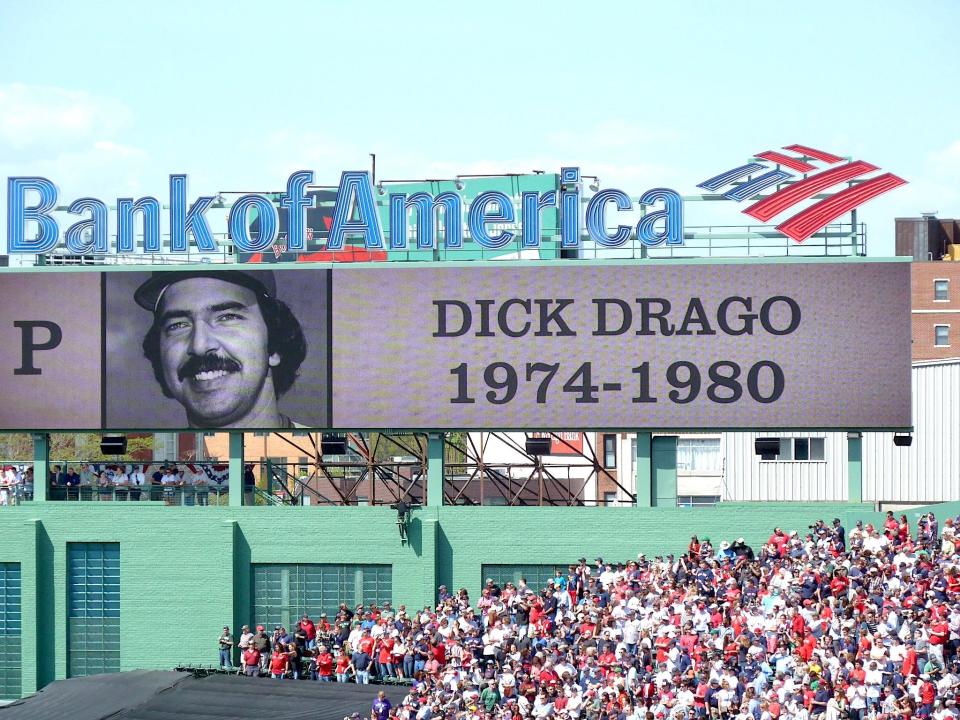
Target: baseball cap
[[149, 294]]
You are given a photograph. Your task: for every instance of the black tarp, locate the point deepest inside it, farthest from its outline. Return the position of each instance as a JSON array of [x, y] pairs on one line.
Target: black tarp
[[155, 695], [94, 697]]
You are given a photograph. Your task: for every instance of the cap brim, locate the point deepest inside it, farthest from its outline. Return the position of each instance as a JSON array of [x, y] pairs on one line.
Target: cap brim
[[149, 294]]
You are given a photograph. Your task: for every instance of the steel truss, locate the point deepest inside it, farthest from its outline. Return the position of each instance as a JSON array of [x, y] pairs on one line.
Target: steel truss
[[364, 477]]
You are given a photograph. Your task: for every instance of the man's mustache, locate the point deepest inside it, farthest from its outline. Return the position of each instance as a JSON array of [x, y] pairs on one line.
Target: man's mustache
[[197, 364]]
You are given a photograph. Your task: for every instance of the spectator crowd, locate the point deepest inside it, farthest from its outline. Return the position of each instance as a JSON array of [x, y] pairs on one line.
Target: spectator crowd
[[821, 624]]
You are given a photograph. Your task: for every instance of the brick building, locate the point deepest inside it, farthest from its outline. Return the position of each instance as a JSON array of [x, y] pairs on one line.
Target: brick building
[[935, 291]]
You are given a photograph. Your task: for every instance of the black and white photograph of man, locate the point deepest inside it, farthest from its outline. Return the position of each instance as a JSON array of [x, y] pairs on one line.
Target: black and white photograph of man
[[222, 344]]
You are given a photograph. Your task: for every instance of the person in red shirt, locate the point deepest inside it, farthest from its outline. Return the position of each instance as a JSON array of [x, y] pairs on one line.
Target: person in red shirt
[[344, 667], [324, 663], [798, 625], [839, 584], [309, 630], [928, 693], [251, 661], [716, 617], [953, 581], [779, 540], [323, 626], [279, 662], [909, 666], [809, 644], [366, 644], [385, 656], [662, 645], [548, 676], [903, 530], [891, 528], [731, 650], [607, 660], [858, 673], [939, 635]]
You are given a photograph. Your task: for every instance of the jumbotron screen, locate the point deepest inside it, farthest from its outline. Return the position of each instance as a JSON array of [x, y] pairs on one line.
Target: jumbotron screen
[[662, 345]]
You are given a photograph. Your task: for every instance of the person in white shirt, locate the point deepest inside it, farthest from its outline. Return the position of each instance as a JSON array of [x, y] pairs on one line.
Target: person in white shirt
[[170, 480], [542, 706], [574, 701], [137, 481], [857, 699], [246, 637], [631, 632], [11, 481], [874, 680], [944, 713], [834, 707], [120, 477]]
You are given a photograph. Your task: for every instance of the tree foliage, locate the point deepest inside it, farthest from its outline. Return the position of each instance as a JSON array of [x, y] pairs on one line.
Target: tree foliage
[[18, 447]]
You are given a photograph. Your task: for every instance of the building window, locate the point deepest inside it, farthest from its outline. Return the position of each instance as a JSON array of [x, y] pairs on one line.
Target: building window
[[610, 498], [941, 335], [93, 613], [699, 455], [10, 643], [609, 451], [941, 290], [282, 593], [809, 449], [536, 575], [697, 500]]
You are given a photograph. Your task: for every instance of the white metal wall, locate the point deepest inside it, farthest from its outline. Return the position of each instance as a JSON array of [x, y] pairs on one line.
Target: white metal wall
[[929, 470], [749, 479]]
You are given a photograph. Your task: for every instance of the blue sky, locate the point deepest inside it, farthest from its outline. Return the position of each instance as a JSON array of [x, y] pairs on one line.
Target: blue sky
[[107, 99]]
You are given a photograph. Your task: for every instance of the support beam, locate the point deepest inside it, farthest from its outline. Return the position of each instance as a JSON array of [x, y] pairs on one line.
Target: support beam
[[644, 480], [235, 478], [854, 468], [41, 466], [435, 469]]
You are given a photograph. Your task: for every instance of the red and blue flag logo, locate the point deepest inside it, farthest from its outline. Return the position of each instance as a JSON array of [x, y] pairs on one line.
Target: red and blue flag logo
[[816, 179]]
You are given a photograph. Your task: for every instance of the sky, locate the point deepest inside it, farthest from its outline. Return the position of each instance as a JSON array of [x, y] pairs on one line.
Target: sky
[[108, 98]]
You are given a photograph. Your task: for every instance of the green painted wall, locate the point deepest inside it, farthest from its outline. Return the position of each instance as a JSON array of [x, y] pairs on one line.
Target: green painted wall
[[511, 185], [663, 463], [185, 572]]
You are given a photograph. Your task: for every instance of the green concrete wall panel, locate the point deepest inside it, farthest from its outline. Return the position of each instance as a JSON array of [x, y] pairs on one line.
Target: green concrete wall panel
[[644, 470], [663, 462], [855, 469]]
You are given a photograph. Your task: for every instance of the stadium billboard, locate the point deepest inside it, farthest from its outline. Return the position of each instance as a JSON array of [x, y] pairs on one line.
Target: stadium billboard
[[529, 346]]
